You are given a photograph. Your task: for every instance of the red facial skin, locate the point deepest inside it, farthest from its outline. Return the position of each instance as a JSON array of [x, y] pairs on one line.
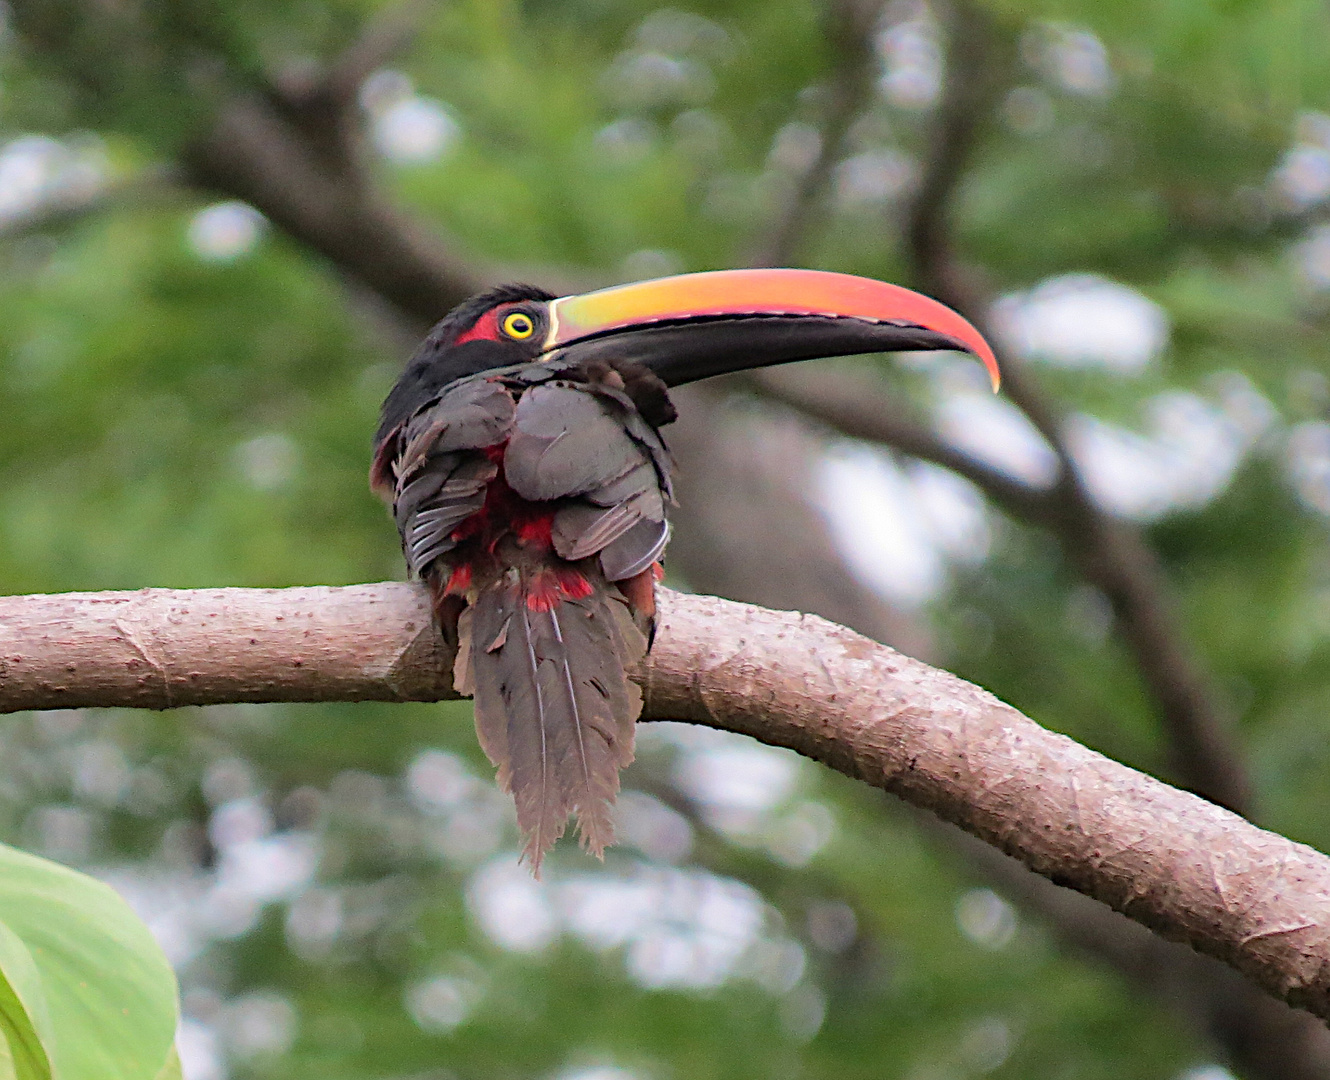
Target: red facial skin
[[486, 328]]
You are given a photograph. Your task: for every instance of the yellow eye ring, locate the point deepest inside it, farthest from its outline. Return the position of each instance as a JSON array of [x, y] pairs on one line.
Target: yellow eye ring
[[519, 325]]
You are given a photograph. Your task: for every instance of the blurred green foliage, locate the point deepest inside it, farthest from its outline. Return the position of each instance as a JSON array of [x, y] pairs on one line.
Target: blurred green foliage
[[177, 419]]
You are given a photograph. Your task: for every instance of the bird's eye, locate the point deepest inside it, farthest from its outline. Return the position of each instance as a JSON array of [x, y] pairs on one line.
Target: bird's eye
[[519, 325]]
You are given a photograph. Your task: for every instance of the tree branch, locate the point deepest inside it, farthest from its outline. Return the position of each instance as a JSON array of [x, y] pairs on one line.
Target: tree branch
[[386, 33], [977, 66], [854, 404], [1186, 868], [289, 143], [163, 648], [850, 25], [1262, 1038], [278, 162], [1108, 553]]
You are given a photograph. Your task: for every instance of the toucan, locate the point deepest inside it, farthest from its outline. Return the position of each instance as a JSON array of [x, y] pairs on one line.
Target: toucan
[[521, 454]]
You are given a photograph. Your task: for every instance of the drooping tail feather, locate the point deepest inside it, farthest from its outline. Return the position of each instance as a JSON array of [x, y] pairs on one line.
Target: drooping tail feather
[[554, 708]]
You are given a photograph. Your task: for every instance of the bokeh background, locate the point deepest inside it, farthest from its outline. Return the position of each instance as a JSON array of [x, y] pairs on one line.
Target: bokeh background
[[223, 224]]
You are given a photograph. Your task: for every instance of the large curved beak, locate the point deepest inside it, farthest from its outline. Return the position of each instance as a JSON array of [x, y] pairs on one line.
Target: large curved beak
[[694, 326]]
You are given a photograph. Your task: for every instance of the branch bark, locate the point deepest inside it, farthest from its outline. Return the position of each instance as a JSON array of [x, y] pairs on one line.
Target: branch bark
[[279, 161], [1178, 864], [1260, 1038], [854, 404]]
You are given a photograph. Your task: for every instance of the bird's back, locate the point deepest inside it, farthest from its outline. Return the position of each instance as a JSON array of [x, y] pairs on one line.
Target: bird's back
[[532, 501]]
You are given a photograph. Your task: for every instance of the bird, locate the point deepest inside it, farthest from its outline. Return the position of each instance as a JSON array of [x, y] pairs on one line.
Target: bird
[[521, 454]]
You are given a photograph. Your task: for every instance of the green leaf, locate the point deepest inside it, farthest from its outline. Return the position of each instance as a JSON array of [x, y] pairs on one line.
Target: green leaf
[[85, 992], [23, 1015]]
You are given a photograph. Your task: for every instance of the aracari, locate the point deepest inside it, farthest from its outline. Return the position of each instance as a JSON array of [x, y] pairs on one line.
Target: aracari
[[522, 456]]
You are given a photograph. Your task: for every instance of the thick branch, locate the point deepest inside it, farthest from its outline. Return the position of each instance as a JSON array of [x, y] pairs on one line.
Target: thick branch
[[161, 648], [1108, 553], [1182, 866]]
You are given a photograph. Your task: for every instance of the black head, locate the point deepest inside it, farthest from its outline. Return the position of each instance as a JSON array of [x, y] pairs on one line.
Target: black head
[[498, 328]]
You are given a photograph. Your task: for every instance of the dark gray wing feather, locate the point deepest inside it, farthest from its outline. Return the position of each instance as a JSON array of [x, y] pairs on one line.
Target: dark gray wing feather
[[571, 441], [468, 415], [564, 443], [634, 550], [427, 529], [441, 481]]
